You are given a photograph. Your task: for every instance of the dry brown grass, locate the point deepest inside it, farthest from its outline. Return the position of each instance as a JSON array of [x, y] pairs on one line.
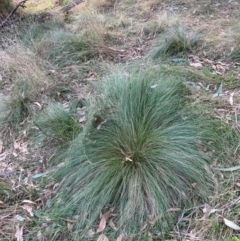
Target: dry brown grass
[[221, 36], [23, 82], [19, 63]]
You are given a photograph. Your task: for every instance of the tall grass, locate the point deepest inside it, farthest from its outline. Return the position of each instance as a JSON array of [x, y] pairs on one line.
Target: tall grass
[[136, 154]]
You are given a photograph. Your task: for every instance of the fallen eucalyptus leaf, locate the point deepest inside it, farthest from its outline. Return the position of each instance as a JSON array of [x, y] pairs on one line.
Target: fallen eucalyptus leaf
[[231, 98], [196, 65], [231, 224], [28, 209]]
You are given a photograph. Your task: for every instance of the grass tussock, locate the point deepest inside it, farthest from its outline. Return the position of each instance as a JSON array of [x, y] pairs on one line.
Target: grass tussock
[[58, 123], [16, 107], [63, 46], [23, 80], [177, 40], [18, 62], [136, 155]]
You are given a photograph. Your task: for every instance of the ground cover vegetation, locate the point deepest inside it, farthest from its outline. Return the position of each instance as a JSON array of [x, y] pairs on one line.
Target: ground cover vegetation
[[119, 121], [5, 7]]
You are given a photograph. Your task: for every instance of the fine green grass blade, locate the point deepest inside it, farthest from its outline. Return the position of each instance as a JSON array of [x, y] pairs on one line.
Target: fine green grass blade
[[229, 169]]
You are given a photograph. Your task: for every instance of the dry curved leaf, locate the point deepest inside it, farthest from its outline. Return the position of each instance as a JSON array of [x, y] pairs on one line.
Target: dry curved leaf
[[28, 201], [231, 224], [103, 221], [28, 209]]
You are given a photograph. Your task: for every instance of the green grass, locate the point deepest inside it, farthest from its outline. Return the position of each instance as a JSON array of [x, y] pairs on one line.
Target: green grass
[[178, 39], [61, 46], [57, 123], [136, 155], [16, 107]]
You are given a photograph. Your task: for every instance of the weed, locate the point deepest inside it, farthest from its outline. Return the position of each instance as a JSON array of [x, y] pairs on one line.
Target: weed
[[178, 39], [136, 155]]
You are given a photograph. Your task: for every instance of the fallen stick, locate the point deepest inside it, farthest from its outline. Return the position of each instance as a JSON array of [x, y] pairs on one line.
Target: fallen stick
[[12, 12]]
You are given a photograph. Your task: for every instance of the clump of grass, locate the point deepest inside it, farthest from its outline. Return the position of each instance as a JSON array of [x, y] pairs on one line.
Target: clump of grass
[[18, 103], [64, 46], [58, 123], [37, 31], [136, 155], [19, 63], [24, 79], [178, 39]]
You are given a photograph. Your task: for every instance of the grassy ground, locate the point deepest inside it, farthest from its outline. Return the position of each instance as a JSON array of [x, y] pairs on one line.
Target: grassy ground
[[49, 67]]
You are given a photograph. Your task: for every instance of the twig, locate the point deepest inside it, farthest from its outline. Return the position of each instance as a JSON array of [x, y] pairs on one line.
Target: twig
[[230, 204], [180, 219], [183, 218], [12, 12]]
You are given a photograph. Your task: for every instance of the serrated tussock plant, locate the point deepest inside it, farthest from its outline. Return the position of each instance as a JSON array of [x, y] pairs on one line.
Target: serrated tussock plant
[[136, 155]]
